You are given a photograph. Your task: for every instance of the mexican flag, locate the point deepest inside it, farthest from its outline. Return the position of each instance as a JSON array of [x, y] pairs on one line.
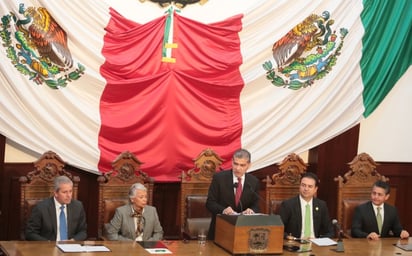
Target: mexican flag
[[91, 79]]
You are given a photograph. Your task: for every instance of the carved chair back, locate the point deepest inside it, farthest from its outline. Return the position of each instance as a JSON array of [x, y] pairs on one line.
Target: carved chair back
[[38, 184]]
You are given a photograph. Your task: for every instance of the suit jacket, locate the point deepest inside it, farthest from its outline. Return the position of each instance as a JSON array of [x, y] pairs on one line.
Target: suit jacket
[[221, 195], [291, 214], [364, 221], [122, 226], [42, 224]]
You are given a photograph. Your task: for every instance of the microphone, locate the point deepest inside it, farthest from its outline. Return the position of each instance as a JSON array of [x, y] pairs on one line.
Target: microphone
[[235, 185], [254, 192], [339, 246], [338, 228]]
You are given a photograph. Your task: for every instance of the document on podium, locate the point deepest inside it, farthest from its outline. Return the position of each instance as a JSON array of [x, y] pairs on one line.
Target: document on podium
[[82, 248]]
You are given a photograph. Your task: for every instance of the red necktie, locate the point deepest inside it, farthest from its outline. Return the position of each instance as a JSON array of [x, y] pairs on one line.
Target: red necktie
[[238, 191]]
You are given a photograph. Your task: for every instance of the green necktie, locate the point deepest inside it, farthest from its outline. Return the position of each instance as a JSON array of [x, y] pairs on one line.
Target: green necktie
[[379, 219], [308, 224]]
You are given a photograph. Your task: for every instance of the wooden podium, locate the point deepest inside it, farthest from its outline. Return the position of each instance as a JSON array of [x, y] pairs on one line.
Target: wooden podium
[[242, 234]]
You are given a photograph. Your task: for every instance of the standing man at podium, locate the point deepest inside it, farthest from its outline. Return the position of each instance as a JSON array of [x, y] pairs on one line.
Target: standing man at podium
[[305, 216], [233, 191]]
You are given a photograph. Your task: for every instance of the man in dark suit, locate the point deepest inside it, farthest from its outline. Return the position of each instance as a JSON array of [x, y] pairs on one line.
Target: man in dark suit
[[365, 217], [44, 222], [293, 212], [222, 191]]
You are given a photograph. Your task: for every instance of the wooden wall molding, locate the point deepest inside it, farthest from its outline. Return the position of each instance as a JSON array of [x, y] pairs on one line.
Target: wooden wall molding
[[327, 160]]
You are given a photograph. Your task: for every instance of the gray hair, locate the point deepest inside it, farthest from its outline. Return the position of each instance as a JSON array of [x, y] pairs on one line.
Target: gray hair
[[61, 180], [134, 188], [242, 154]]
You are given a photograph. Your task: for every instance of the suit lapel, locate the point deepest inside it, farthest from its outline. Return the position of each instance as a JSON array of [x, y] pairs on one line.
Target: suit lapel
[[385, 217], [371, 212], [69, 218], [316, 216], [297, 207], [52, 213], [131, 225], [229, 182]]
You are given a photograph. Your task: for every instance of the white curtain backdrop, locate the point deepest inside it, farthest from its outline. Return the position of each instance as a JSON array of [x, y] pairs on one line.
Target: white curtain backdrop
[[276, 120]]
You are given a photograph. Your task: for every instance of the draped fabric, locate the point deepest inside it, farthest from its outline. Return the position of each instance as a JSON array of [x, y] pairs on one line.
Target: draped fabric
[[378, 75], [153, 107], [166, 87]]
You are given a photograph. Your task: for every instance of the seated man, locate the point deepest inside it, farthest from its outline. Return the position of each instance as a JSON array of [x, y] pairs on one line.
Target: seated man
[[135, 220], [59, 217], [376, 219], [305, 216]]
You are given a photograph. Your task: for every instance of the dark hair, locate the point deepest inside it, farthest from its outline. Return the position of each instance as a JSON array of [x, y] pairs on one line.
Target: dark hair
[[311, 175], [384, 185], [243, 154]]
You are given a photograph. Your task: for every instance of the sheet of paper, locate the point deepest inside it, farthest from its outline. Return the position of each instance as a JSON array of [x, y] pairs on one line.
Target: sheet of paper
[[324, 241], [158, 251], [82, 248]]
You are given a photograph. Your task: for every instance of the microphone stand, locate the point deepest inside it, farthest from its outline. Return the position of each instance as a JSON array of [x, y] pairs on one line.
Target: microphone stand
[[339, 246]]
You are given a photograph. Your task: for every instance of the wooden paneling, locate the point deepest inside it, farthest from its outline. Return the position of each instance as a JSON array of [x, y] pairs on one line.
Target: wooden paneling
[[331, 159], [327, 160]]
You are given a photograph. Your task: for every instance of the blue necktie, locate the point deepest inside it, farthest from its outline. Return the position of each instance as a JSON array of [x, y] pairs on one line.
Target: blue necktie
[[63, 225]]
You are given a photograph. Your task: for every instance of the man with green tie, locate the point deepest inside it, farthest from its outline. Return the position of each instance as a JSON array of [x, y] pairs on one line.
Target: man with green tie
[[375, 219], [305, 216]]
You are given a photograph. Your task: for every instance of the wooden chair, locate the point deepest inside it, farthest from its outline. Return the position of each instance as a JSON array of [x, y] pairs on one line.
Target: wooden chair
[[284, 184], [114, 187], [193, 194], [355, 188], [39, 184]]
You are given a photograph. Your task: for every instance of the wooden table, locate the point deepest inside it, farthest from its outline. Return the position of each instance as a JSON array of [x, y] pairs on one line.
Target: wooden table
[[118, 248], [359, 247], [353, 247]]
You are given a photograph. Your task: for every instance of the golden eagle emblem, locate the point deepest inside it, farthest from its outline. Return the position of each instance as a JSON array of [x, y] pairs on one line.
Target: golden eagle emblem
[[39, 48], [306, 53]]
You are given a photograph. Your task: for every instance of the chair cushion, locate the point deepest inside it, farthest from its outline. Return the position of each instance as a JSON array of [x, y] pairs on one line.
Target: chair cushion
[[348, 209], [196, 206], [110, 206], [275, 206]]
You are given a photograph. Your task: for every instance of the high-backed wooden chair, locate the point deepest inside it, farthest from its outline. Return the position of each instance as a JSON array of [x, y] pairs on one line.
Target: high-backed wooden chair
[[355, 188], [193, 193], [284, 184], [114, 187], [39, 184]]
